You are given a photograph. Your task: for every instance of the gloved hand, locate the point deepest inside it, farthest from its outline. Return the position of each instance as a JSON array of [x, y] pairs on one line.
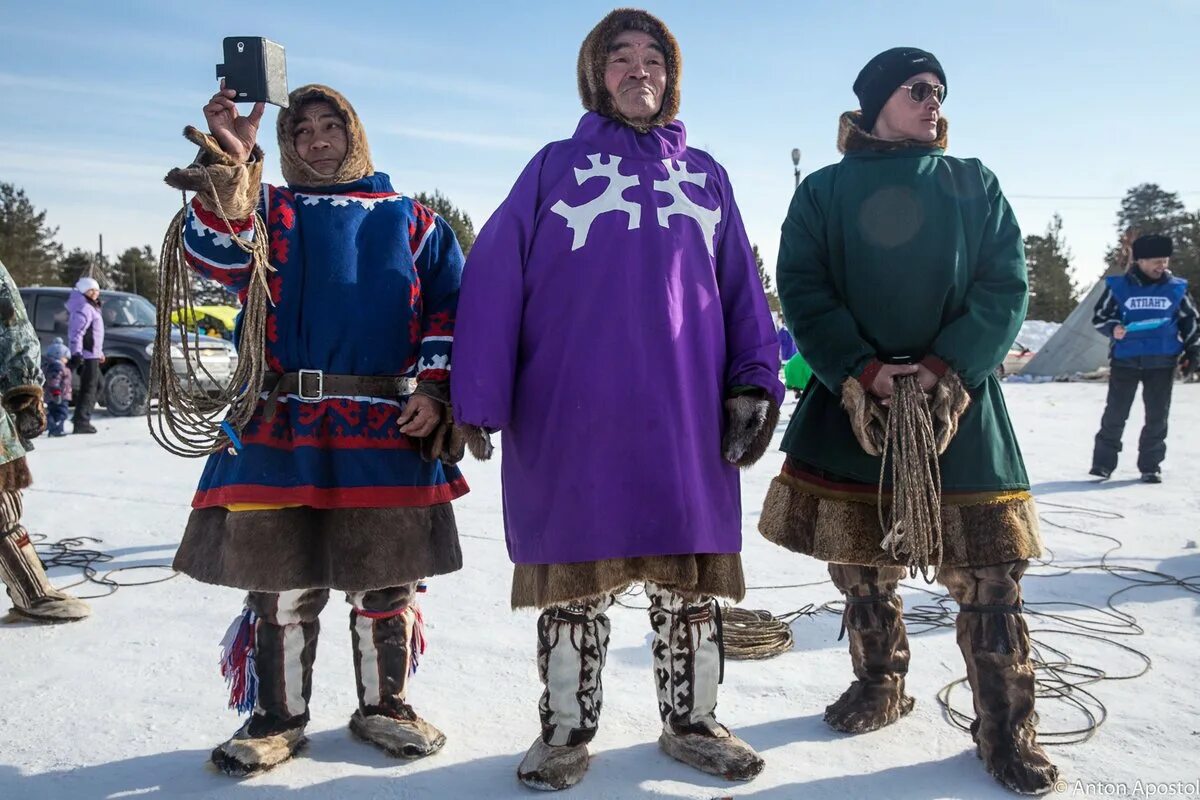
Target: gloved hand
[[479, 441], [749, 424], [76, 362], [1189, 365], [29, 415]]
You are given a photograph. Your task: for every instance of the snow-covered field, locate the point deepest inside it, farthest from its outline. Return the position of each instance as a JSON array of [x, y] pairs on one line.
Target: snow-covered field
[[129, 703]]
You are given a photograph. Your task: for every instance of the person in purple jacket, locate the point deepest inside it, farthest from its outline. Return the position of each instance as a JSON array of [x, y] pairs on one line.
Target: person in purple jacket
[[612, 324], [85, 338]]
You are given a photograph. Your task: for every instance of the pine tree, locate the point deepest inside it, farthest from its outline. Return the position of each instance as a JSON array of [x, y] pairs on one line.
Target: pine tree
[[767, 284], [136, 270], [458, 219], [1051, 290], [27, 244]]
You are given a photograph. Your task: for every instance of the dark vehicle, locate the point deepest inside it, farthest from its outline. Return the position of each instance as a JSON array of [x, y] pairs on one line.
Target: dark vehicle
[[128, 342]]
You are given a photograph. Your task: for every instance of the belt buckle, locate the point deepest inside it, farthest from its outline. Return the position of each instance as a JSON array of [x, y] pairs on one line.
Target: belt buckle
[[320, 376]]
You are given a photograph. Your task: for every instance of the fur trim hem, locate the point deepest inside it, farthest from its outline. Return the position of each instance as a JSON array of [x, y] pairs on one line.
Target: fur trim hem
[[15, 475], [851, 138], [693, 576], [593, 58], [348, 549], [797, 517], [357, 163]]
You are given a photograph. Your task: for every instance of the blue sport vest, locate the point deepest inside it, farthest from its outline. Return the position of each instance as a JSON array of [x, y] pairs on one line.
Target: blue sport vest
[[1150, 315]]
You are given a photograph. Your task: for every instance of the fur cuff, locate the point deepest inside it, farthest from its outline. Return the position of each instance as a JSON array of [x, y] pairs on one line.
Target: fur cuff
[[750, 424], [221, 183], [479, 441], [949, 402], [21, 397], [868, 419]]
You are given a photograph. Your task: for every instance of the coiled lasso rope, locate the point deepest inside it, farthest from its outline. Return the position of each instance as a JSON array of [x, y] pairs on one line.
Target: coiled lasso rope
[[913, 535], [188, 420]]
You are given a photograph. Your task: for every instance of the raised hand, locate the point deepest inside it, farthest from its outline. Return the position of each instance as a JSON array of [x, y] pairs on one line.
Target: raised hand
[[236, 134]]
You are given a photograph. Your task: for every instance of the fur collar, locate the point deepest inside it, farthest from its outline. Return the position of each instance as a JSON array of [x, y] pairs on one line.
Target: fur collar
[[852, 138], [593, 56], [357, 163]]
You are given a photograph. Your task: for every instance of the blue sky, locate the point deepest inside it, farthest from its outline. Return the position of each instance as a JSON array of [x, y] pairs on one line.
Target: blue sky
[[1070, 102]]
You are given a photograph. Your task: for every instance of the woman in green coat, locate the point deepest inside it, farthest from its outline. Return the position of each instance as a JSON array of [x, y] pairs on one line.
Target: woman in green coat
[[900, 260]]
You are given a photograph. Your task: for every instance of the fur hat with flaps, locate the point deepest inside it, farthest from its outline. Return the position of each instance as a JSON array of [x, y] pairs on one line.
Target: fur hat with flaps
[[593, 59], [356, 164]]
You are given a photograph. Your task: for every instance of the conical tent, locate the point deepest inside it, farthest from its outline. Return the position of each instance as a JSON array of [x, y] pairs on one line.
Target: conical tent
[[1076, 346]]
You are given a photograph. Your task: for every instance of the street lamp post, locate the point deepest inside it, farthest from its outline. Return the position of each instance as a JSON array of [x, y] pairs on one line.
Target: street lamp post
[[796, 164]]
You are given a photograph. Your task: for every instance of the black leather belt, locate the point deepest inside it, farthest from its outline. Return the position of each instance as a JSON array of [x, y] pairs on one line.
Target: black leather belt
[[314, 384]]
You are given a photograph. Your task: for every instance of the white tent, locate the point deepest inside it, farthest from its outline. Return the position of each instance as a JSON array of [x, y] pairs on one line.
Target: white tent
[[1076, 347]]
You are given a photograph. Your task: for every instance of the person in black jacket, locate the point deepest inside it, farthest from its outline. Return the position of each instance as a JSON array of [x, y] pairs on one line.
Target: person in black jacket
[[1152, 322]]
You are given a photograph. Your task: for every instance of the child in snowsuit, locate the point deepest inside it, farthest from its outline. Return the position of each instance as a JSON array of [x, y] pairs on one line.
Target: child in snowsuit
[[56, 387]]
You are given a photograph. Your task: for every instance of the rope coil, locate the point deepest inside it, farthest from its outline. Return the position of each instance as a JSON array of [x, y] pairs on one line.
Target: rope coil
[[189, 420], [913, 536]]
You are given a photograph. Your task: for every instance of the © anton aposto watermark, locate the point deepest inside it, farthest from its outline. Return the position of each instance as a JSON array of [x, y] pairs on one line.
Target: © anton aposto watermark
[[1139, 788]]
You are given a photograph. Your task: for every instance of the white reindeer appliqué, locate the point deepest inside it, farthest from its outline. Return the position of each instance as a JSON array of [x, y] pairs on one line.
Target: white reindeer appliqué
[[580, 218]]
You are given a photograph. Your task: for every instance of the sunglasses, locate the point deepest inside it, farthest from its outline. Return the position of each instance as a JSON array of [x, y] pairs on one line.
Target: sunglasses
[[921, 90]]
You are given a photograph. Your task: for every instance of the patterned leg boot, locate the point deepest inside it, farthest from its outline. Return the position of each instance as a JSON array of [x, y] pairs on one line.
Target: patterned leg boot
[[878, 649], [572, 645], [22, 572], [271, 653], [688, 666], [387, 634], [994, 641]]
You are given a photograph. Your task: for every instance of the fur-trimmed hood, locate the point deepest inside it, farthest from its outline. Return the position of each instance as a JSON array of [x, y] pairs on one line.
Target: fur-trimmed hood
[[593, 57], [357, 163], [852, 138]]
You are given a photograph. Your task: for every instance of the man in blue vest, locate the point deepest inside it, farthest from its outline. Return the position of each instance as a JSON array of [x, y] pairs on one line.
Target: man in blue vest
[[1152, 322]]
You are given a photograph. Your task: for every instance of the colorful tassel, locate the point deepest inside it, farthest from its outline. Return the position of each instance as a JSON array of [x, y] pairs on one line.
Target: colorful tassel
[[237, 662], [416, 646]]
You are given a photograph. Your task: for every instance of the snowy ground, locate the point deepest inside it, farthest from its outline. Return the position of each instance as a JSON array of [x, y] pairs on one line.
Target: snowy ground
[[129, 703]]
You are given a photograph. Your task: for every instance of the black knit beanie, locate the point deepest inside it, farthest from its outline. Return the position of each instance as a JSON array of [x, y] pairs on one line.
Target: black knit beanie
[[883, 73], [1152, 245]]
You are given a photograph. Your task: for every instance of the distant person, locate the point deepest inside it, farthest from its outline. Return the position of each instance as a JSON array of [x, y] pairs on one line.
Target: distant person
[[22, 419], [1151, 321], [85, 337], [56, 388]]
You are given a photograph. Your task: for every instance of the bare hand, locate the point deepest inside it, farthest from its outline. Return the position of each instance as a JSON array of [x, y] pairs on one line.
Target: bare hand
[[927, 378], [103, 359], [236, 134], [1119, 332], [883, 385], [420, 416]]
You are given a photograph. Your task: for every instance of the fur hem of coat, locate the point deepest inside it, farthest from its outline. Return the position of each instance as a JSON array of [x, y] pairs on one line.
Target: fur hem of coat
[[15, 475], [693, 576], [347, 549], [977, 530], [593, 59]]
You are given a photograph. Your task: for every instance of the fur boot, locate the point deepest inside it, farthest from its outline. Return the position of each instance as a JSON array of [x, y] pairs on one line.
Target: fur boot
[[994, 641], [878, 649], [572, 646], [688, 667], [22, 572], [286, 628], [386, 631]]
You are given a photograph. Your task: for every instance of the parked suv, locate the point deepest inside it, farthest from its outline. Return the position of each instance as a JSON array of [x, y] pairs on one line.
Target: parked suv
[[128, 343]]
